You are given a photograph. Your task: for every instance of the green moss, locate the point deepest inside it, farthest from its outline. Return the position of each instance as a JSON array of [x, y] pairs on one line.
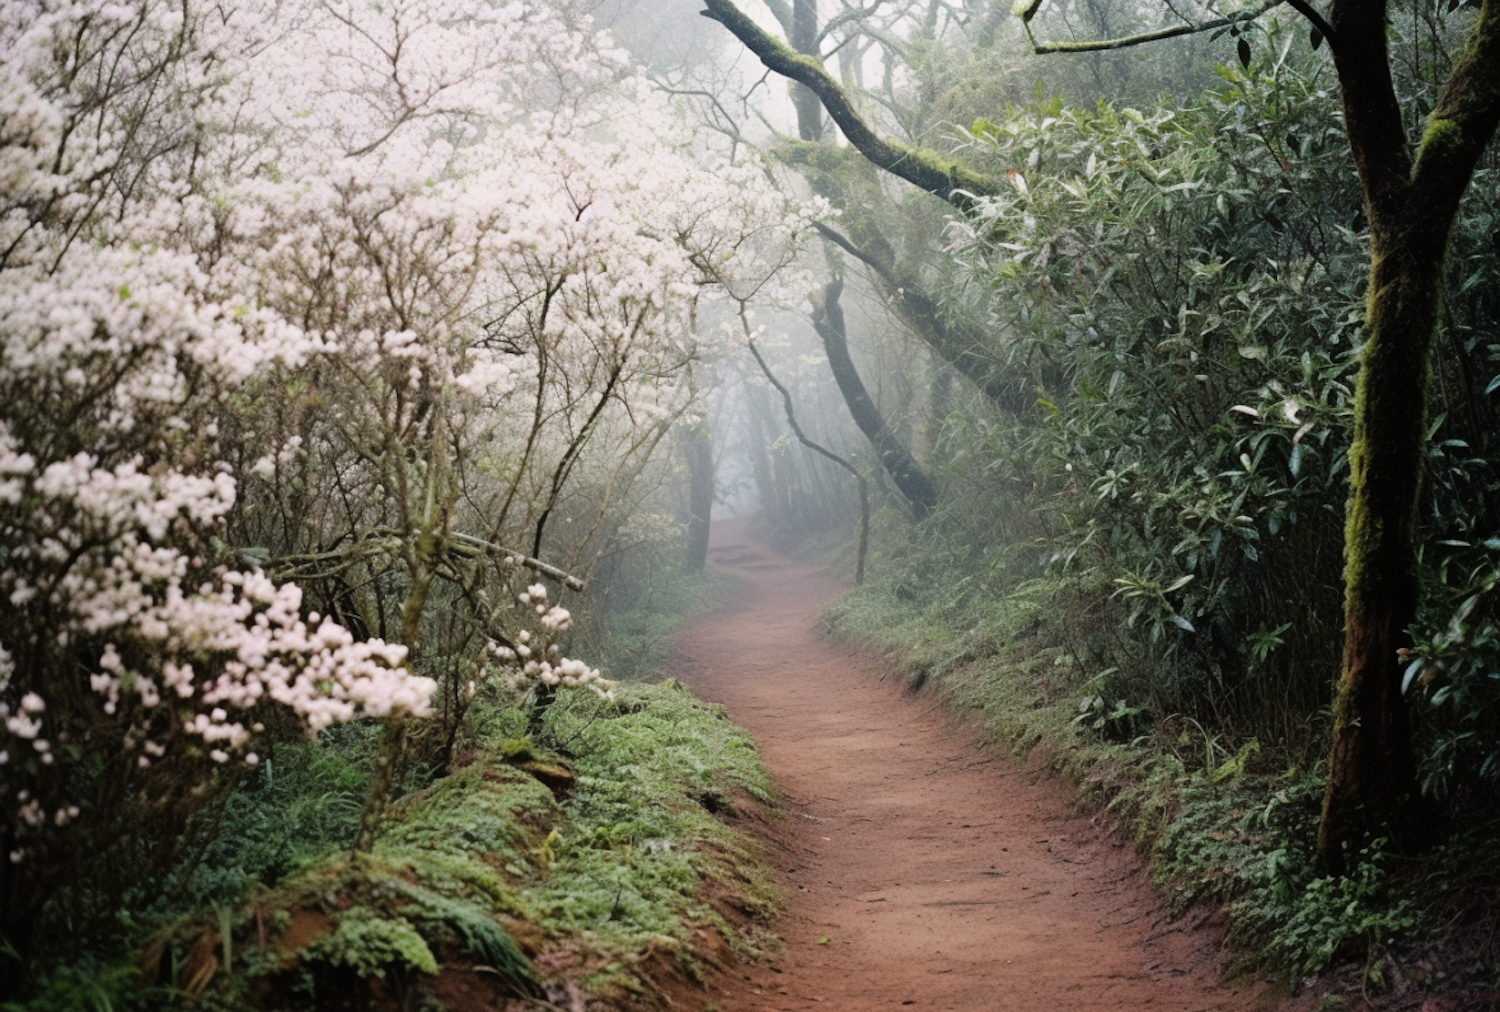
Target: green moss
[[482, 810], [487, 868], [372, 946], [1441, 137], [643, 849]]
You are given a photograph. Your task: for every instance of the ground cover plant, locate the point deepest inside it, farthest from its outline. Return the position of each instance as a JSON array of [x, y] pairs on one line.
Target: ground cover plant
[[598, 864]]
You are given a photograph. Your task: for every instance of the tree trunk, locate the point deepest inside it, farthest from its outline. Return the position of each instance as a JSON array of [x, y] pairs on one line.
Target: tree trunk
[[905, 473], [699, 449], [804, 39], [760, 456], [1372, 786]]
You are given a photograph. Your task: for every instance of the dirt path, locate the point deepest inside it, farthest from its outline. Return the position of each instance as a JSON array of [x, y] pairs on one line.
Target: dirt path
[[925, 873]]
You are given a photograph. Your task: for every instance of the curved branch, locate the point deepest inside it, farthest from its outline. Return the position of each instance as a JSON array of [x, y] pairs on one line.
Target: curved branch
[[1318, 21], [1143, 38], [847, 17], [924, 169], [909, 478]]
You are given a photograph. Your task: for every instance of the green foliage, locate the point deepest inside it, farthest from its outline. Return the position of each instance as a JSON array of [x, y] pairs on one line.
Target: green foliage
[[1184, 286], [486, 868], [640, 612], [300, 804], [1314, 920], [90, 988], [1248, 844], [372, 945]]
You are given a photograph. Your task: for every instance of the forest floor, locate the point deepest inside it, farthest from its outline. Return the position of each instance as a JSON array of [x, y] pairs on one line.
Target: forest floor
[[923, 871]]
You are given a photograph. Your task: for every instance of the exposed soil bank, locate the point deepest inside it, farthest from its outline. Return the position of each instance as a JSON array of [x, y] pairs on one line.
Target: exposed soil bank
[[925, 873]]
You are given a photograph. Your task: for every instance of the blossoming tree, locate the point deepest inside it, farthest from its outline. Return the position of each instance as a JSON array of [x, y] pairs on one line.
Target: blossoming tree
[[312, 314]]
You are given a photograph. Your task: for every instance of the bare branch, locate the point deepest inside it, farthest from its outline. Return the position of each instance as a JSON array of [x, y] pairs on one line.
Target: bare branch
[[849, 16], [791, 419]]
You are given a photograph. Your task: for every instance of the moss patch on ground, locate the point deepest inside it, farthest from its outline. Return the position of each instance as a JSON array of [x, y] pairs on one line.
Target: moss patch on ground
[[588, 870]]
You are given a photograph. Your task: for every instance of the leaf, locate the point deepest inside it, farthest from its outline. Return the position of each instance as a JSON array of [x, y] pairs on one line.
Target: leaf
[[1243, 49], [824, 939], [1315, 37], [1183, 624]]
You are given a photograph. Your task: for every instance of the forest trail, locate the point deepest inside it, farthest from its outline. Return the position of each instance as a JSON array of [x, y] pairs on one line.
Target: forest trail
[[924, 872]]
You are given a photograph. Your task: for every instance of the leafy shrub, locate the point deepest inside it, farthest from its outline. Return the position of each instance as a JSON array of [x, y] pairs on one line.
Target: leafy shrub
[[371, 946]]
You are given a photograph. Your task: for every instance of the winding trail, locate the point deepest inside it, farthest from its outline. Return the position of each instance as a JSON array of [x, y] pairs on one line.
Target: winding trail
[[925, 872]]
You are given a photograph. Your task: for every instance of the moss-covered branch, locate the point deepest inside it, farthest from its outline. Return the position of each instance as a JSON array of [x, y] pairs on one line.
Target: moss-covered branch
[[1145, 38], [925, 169], [1465, 119]]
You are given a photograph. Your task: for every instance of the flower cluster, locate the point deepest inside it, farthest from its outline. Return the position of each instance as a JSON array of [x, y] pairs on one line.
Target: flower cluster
[[535, 659]]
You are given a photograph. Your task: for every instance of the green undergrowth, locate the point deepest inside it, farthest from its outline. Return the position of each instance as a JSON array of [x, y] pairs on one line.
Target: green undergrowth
[[1221, 823], [603, 861], [635, 639]]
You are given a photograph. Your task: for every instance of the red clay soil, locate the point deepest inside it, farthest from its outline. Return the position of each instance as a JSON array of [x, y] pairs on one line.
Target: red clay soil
[[924, 872]]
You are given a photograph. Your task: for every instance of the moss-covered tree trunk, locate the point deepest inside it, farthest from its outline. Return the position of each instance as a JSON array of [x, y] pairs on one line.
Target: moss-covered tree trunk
[[1372, 783], [804, 39], [1412, 203]]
